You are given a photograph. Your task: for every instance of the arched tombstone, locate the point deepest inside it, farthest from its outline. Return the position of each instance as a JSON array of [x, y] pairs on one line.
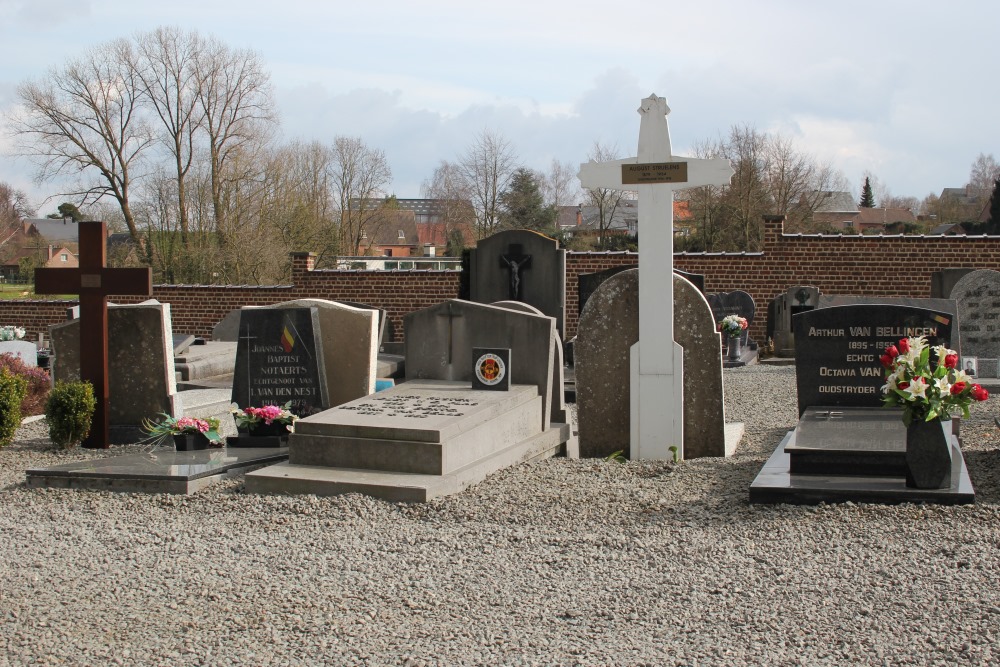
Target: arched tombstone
[[609, 326]]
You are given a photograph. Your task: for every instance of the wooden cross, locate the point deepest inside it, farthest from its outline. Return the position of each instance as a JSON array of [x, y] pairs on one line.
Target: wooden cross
[[657, 365], [94, 282]]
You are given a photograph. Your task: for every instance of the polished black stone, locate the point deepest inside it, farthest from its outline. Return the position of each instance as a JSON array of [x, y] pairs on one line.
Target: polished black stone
[[279, 359], [849, 441], [777, 484], [837, 349]]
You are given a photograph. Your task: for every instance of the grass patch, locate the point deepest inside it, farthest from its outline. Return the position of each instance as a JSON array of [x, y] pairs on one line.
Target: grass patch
[[9, 292]]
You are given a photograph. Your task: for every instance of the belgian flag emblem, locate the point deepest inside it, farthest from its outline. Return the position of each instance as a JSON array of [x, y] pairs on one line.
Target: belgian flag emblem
[[287, 340]]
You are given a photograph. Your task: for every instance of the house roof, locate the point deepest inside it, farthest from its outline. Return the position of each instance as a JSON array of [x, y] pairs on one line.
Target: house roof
[[54, 231], [396, 227], [832, 201], [966, 195], [882, 216]]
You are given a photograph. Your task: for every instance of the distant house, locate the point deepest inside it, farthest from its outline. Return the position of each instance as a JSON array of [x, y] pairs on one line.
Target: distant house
[[63, 230], [50, 256], [585, 220], [419, 227], [948, 229], [838, 210]]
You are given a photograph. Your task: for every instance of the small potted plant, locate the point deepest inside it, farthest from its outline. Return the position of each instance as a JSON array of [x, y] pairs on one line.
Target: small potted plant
[[732, 327], [924, 380], [267, 421], [188, 433]]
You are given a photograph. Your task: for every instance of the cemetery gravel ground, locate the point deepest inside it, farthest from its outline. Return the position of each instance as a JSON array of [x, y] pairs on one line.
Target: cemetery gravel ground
[[554, 563]]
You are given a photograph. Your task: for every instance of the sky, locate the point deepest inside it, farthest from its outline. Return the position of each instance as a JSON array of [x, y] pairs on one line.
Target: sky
[[901, 89]]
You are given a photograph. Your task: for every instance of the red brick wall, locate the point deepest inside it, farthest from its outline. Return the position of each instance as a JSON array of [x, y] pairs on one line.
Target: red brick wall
[[859, 265]]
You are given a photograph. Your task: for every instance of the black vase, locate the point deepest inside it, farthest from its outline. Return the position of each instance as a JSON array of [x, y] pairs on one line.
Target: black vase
[[262, 430], [928, 454], [188, 442]]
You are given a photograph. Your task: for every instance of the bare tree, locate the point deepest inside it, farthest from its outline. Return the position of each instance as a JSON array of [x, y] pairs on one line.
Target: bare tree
[[984, 173], [605, 200], [85, 120], [14, 205], [166, 66], [560, 186], [487, 167], [359, 176], [234, 94], [454, 200]]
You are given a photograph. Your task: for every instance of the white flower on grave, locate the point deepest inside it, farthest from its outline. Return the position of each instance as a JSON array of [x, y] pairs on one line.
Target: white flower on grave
[[940, 351], [890, 384], [962, 376], [917, 388], [918, 343], [943, 385]]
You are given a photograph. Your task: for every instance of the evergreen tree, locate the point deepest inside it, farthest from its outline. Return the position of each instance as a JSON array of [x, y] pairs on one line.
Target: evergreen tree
[[523, 207], [994, 222], [867, 198]]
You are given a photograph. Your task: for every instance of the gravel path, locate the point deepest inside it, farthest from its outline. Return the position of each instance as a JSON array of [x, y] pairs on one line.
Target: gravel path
[[554, 563]]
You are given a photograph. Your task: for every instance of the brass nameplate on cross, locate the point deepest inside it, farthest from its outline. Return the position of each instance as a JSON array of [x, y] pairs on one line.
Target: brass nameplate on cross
[[90, 280], [654, 172]]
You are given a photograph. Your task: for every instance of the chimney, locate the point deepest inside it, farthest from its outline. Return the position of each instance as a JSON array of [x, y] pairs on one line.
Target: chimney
[[579, 215], [50, 253]]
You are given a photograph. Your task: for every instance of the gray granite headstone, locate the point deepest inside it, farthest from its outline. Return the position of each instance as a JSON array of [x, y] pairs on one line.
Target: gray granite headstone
[[978, 297], [279, 359], [439, 342], [141, 380], [608, 328], [25, 350], [558, 370], [521, 265]]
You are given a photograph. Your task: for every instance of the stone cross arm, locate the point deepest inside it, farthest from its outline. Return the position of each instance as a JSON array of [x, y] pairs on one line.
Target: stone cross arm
[[700, 172]]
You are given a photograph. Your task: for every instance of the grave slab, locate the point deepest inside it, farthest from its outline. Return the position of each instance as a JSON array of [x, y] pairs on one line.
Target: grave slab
[[158, 471]]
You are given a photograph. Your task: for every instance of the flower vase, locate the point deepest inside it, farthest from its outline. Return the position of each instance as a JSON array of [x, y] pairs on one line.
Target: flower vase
[[263, 430], [928, 454], [188, 442], [735, 349]]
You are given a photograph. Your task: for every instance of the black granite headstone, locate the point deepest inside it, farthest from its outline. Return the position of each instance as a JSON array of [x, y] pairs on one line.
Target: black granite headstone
[[837, 349], [279, 359], [733, 303]]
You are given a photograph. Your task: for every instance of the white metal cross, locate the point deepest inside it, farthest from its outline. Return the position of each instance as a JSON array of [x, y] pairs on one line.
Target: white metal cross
[[657, 370]]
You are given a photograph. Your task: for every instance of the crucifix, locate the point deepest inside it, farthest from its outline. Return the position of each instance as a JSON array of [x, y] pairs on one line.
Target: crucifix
[[515, 261], [657, 362], [94, 282]]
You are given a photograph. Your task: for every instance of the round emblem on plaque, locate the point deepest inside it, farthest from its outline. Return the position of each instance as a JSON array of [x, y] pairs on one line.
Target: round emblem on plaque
[[490, 369]]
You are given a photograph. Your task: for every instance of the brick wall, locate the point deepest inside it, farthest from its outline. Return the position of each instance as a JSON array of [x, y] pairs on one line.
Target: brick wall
[[858, 265]]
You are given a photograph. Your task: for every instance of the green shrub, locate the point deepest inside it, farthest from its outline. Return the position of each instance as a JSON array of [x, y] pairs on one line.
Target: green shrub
[[33, 402], [12, 390], [69, 412]]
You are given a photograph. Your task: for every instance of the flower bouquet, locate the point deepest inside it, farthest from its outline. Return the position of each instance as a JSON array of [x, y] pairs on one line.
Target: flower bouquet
[[924, 380], [11, 333], [733, 325], [257, 420], [181, 427]]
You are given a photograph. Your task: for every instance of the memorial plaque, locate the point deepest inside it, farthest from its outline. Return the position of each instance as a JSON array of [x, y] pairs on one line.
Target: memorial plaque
[[654, 172], [978, 297], [733, 303], [279, 359], [837, 349], [491, 368]]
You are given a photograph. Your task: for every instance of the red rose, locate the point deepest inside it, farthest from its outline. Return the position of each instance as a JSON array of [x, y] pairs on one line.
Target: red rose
[[892, 351], [886, 360], [979, 394], [744, 324], [958, 388], [904, 345], [903, 385], [950, 360]]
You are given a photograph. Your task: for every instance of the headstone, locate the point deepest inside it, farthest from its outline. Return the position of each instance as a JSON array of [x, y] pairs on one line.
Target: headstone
[[279, 359], [521, 265], [558, 407], [795, 300], [846, 447], [587, 283], [978, 297], [439, 342], [608, 328], [24, 350], [739, 303], [94, 282], [141, 380], [227, 328], [657, 376], [943, 281], [348, 338], [837, 349]]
